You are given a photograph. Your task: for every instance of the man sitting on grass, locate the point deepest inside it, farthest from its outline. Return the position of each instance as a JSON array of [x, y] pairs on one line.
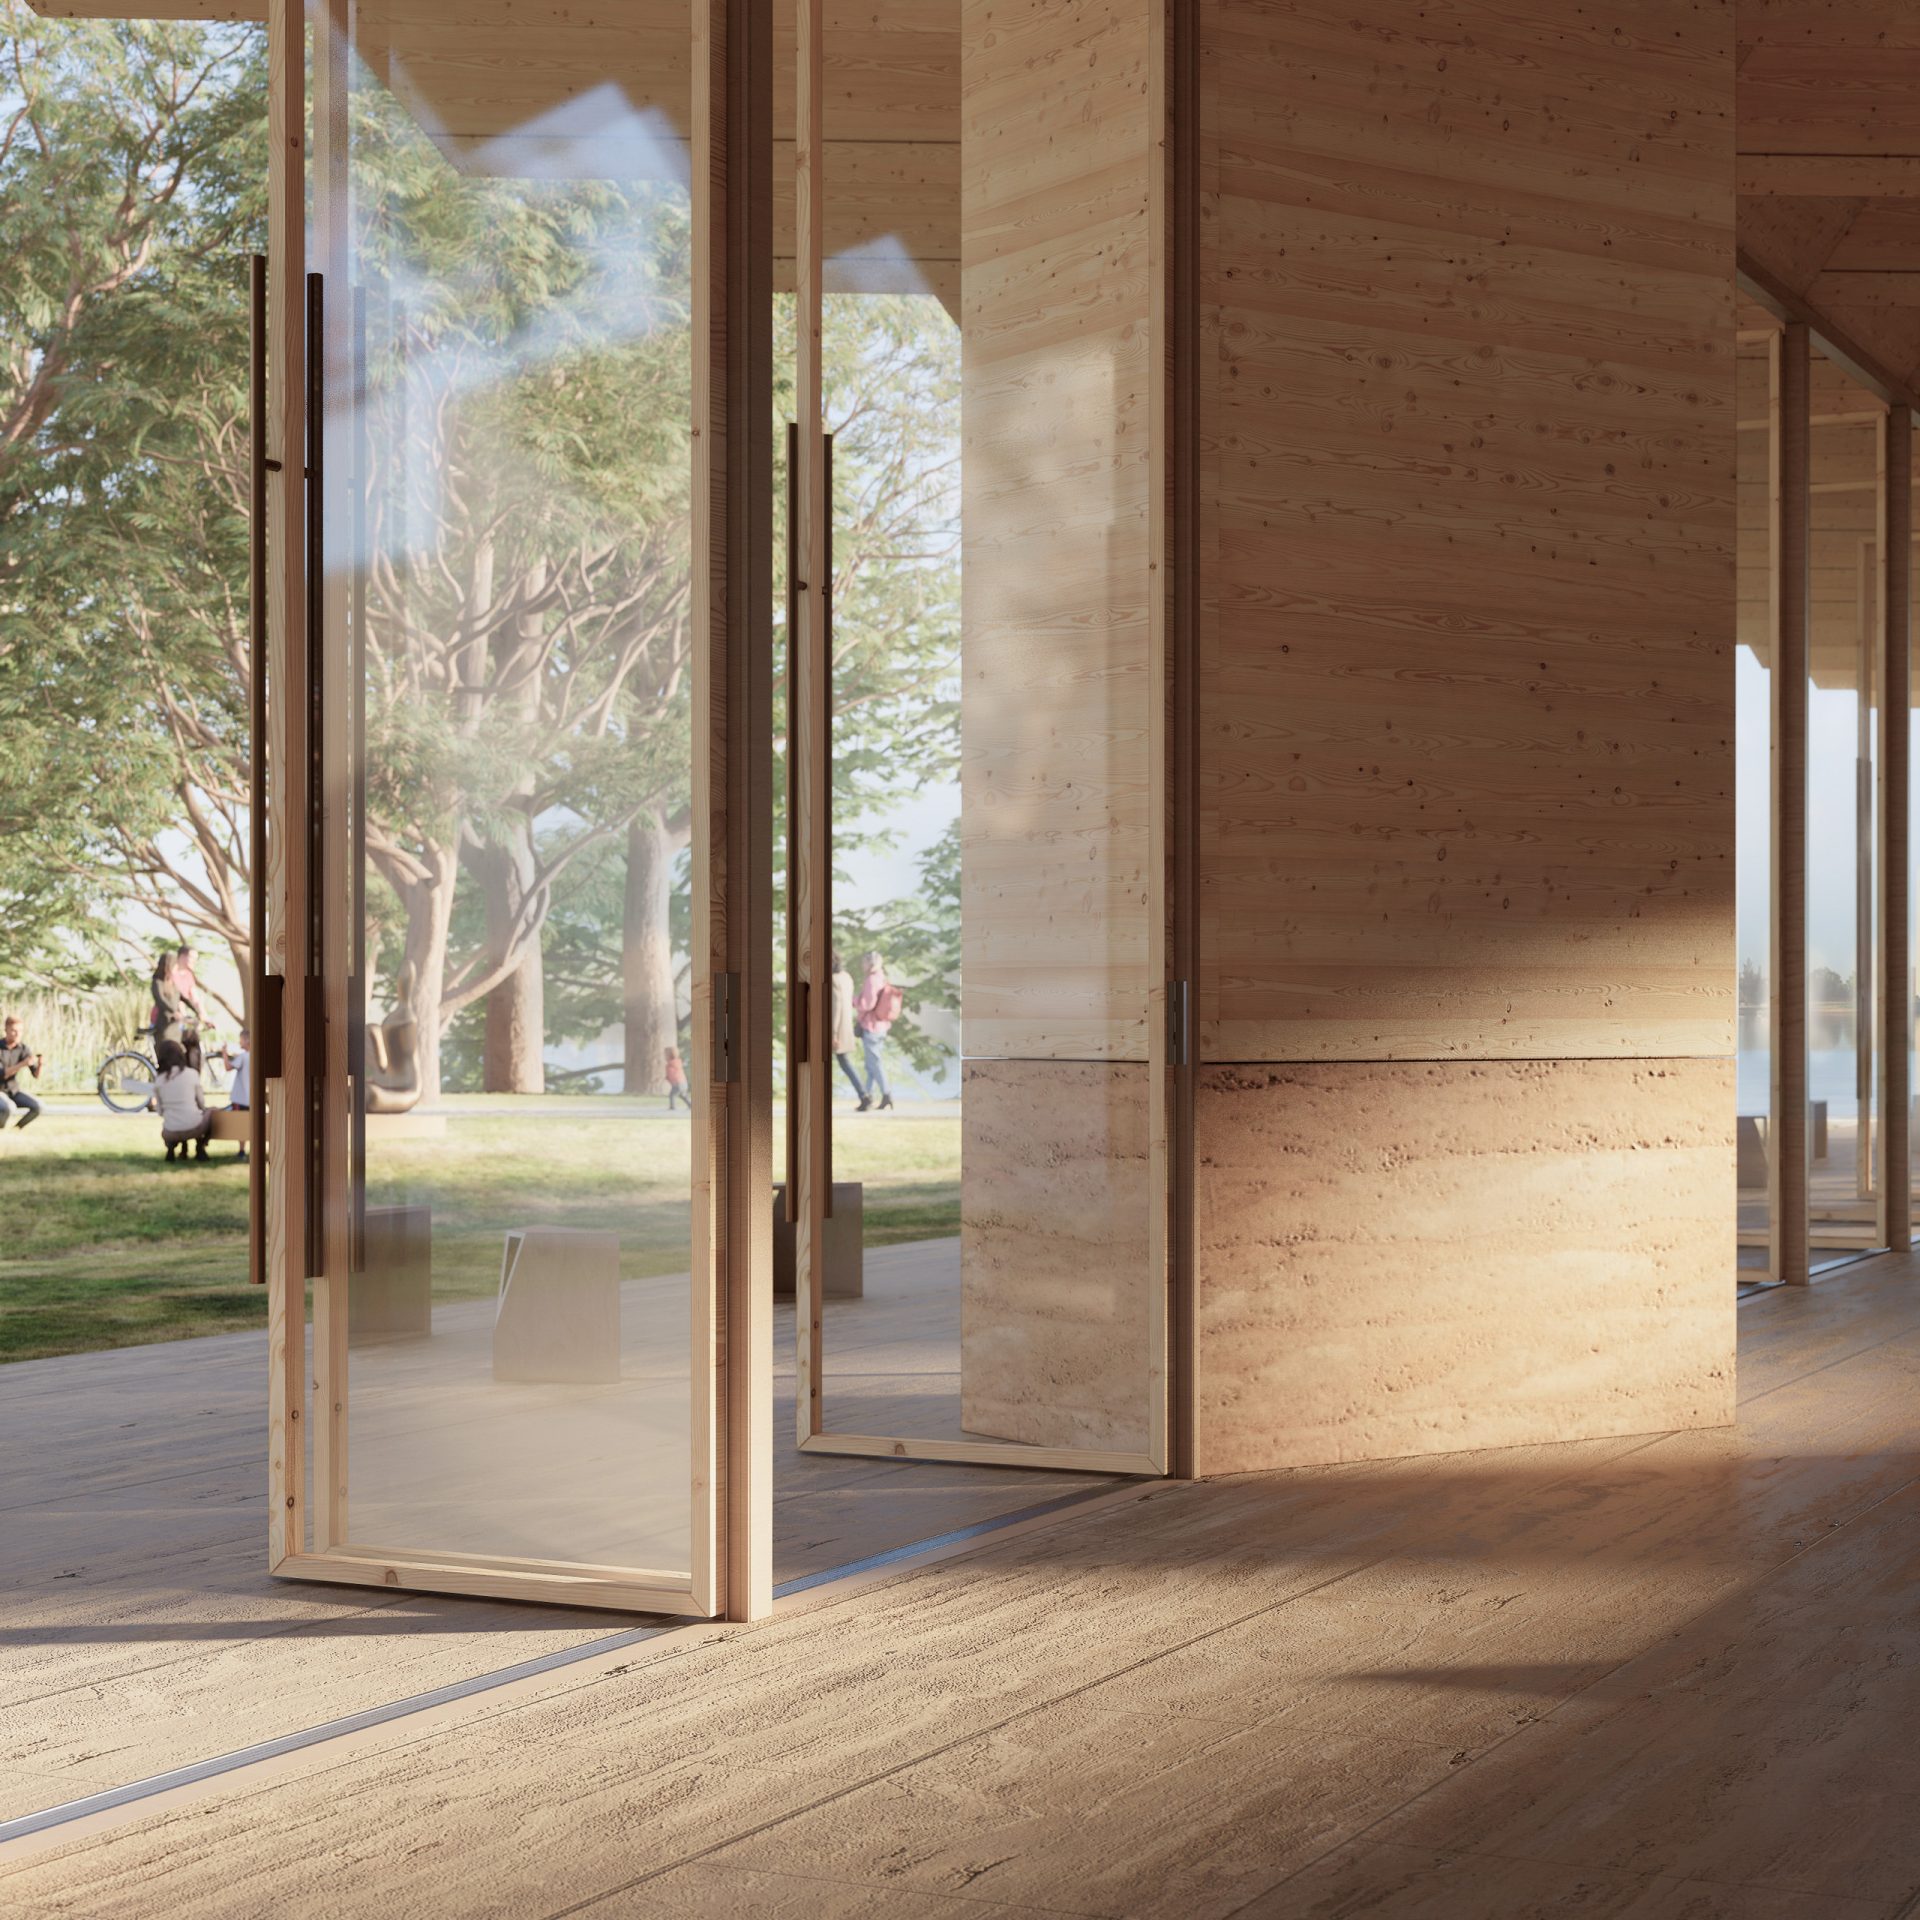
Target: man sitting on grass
[[17, 1060], [184, 1119]]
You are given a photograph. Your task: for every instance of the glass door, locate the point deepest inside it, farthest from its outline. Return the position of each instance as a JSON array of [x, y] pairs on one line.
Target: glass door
[[977, 1061], [1847, 440], [517, 1262]]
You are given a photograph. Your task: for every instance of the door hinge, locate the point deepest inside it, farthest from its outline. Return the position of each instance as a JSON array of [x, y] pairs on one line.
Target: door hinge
[[1179, 1036], [726, 1026]]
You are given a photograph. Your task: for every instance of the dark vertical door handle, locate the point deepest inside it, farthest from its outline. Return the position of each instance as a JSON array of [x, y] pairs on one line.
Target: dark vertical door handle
[[260, 1058], [823, 791], [314, 1055], [796, 1013], [359, 467]]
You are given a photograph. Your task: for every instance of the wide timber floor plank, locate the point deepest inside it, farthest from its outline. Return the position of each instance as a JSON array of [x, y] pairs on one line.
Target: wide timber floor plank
[[1670, 1678], [139, 1630]]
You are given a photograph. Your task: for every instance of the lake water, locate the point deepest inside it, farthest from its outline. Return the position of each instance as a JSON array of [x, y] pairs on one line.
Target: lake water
[[1830, 1077]]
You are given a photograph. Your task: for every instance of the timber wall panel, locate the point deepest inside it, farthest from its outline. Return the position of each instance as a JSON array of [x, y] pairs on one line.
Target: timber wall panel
[[1424, 1257], [1469, 429], [1468, 611]]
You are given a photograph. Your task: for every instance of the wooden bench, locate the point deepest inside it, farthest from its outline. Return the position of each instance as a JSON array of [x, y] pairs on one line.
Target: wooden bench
[[845, 1244]]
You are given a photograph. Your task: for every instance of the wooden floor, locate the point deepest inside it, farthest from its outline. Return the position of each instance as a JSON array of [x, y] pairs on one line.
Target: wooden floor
[[139, 1630], [1667, 1677]]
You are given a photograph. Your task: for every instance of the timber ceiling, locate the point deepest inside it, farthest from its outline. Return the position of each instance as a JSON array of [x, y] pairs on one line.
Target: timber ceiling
[[540, 87], [1828, 130]]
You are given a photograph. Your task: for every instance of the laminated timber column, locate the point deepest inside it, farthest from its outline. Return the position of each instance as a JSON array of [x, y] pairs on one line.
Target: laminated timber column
[[1792, 617], [1464, 1118], [1896, 771]]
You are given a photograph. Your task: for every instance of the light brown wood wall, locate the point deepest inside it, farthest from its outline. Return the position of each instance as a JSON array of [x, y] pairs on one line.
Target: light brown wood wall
[[1468, 615], [1468, 426]]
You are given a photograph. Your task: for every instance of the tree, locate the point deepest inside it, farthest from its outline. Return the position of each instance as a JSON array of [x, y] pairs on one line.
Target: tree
[[119, 145], [527, 558], [891, 393], [521, 551]]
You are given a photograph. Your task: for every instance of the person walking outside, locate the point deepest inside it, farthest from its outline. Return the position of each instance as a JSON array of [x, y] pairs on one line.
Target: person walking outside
[[843, 1040], [17, 1059], [878, 1007], [184, 1119], [676, 1071], [186, 985]]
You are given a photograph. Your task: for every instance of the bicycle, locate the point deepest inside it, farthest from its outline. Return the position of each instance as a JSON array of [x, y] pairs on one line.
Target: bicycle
[[126, 1079]]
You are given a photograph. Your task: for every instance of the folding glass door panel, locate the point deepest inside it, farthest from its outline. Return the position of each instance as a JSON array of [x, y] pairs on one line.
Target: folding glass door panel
[[1847, 442], [977, 1065], [1757, 372], [515, 1353]]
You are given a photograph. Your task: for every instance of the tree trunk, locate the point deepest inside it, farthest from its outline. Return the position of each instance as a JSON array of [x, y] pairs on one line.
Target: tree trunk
[[516, 1034], [429, 905], [652, 1019]]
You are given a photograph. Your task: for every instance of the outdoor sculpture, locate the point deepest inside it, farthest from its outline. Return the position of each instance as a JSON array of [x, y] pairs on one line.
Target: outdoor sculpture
[[393, 1054]]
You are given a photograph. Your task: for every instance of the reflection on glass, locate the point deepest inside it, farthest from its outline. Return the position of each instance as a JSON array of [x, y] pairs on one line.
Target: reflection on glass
[[516, 557], [983, 380], [1842, 648], [1753, 795]]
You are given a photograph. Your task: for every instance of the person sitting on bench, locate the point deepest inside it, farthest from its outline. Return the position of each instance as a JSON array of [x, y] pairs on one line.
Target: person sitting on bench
[[184, 1119]]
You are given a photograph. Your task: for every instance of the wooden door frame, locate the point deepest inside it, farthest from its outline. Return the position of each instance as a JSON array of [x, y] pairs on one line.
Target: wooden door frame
[[731, 1548], [1799, 332], [1172, 604]]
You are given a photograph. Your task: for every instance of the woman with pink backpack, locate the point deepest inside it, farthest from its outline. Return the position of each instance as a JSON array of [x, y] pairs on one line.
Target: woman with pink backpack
[[880, 1004]]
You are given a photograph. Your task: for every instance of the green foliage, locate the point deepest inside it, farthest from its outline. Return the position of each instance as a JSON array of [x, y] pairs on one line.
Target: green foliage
[[527, 511], [126, 153], [527, 530]]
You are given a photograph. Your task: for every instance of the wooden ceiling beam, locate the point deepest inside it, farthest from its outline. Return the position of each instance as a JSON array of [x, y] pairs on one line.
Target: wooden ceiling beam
[[1896, 386], [1858, 98], [1865, 287], [1828, 176]]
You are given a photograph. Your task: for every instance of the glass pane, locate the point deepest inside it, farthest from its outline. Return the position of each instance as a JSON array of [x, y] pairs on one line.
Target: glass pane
[[518, 558], [1840, 801], [986, 370], [1753, 795]]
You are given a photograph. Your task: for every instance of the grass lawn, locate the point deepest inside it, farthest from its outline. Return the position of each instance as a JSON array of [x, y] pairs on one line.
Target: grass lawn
[[110, 1246]]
